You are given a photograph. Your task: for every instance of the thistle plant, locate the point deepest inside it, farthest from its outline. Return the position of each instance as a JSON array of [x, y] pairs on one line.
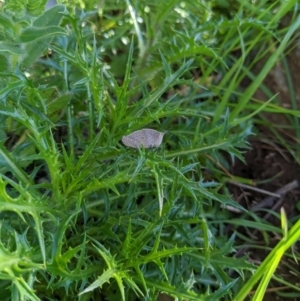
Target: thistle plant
[[84, 217]]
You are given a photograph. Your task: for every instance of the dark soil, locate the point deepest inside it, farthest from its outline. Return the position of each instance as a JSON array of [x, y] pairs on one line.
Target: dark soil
[[271, 168]]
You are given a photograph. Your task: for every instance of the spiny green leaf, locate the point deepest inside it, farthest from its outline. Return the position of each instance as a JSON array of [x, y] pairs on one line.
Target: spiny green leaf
[[104, 278]]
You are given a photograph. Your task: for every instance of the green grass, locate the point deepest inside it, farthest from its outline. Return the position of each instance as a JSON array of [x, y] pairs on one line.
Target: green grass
[[85, 218]]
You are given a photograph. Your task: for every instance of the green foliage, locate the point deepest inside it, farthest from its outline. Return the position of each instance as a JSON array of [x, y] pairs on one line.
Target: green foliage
[[82, 216], [23, 38], [32, 7]]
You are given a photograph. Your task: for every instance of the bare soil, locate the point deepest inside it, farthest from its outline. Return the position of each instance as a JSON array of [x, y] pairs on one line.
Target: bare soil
[[271, 168]]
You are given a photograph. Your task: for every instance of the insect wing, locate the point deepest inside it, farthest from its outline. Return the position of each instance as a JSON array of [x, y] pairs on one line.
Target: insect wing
[[146, 137]]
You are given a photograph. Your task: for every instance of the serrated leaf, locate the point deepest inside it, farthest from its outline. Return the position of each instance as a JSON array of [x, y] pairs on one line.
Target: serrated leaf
[[120, 285], [11, 87], [104, 278], [133, 285], [13, 166], [23, 290], [223, 290], [36, 112], [141, 276], [127, 241], [39, 231]]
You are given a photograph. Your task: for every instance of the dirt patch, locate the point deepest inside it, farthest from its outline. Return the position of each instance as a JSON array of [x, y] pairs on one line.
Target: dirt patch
[[270, 168]]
